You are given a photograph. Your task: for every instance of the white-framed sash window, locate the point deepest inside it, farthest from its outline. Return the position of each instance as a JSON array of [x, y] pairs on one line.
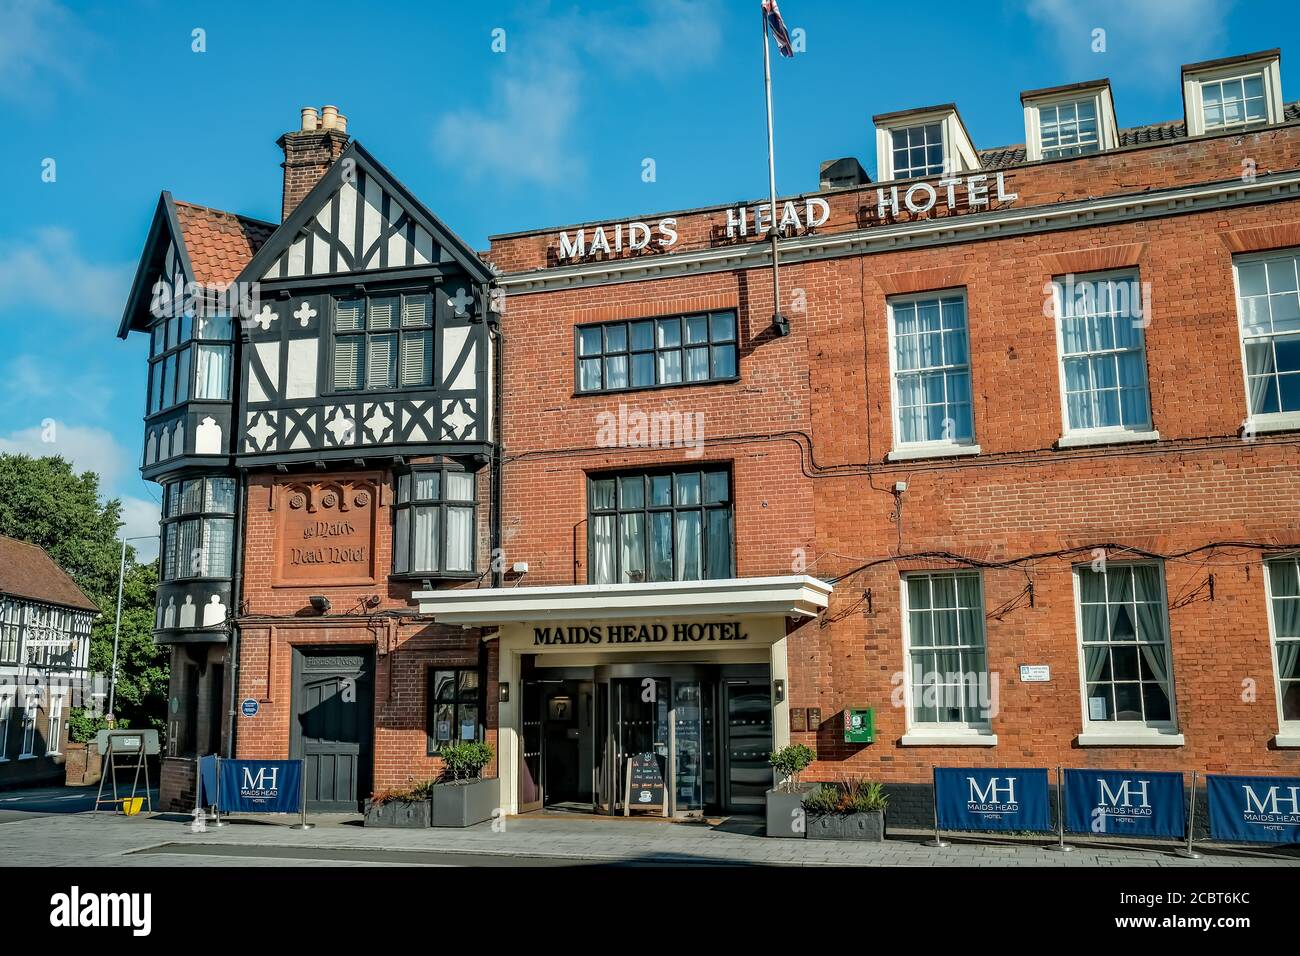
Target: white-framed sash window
[[1282, 587], [929, 355], [54, 726], [1101, 349], [1268, 305], [6, 708], [947, 684], [1126, 667], [29, 728]]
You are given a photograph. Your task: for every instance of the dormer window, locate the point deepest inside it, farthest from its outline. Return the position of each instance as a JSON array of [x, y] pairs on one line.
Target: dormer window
[[919, 144], [918, 151], [1234, 93], [1067, 121]]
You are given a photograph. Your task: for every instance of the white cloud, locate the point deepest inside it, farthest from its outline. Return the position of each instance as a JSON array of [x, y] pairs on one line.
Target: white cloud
[[87, 448], [92, 449], [527, 132], [30, 35], [1146, 41], [46, 271]]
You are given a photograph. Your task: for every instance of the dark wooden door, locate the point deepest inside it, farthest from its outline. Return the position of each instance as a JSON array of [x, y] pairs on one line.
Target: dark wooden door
[[333, 725]]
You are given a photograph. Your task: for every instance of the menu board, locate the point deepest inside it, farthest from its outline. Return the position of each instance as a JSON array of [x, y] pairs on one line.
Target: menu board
[[645, 788]]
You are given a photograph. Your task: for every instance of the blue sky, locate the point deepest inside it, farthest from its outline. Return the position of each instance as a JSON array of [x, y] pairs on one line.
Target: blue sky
[[553, 130]]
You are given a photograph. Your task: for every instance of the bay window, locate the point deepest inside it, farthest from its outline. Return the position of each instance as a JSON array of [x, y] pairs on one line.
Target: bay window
[[198, 529], [189, 357], [672, 525], [434, 522]]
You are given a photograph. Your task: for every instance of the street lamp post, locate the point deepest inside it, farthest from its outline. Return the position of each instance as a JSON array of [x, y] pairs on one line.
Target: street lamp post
[[117, 620]]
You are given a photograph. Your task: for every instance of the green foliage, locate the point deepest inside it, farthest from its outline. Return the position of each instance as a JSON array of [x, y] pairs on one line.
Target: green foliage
[[465, 760], [791, 761], [415, 793], [42, 500], [82, 727], [851, 796]]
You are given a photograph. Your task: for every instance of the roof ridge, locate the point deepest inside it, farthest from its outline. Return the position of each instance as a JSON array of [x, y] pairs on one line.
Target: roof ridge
[[225, 212]]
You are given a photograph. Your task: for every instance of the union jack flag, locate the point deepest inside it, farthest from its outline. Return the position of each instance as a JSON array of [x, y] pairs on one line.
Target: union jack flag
[[777, 26]]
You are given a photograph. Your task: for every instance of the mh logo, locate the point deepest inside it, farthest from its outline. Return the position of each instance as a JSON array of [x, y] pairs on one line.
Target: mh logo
[[1123, 795], [1272, 802], [992, 792], [265, 780]]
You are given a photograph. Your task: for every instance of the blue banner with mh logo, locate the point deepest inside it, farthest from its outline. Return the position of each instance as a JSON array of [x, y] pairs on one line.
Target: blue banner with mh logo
[[994, 799], [1125, 803], [1254, 809], [261, 786]]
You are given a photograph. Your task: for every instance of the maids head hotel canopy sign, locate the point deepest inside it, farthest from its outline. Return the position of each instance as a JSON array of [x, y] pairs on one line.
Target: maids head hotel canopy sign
[[953, 194]]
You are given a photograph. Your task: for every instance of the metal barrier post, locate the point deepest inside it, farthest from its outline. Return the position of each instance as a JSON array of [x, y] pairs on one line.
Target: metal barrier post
[[216, 810], [938, 841], [1060, 818], [1186, 852], [302, 823]]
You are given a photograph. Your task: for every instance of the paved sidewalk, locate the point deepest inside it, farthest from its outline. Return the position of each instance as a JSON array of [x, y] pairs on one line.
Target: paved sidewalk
[[81, 839]]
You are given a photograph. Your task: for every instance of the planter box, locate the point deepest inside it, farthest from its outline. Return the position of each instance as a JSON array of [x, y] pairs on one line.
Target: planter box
[[463, 803], [398, 813], [869, 827], [784, 812]]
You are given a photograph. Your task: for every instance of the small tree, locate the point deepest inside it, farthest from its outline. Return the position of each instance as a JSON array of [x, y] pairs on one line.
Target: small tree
[[791, 761]]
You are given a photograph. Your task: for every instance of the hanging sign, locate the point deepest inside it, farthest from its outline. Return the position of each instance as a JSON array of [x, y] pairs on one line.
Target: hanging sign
[[261, 786], [1254, 809], [645, 788], [993, 799], [1125, 803]]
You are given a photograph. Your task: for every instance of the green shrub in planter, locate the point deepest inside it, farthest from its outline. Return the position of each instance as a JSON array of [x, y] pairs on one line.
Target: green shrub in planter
[[464, 760]]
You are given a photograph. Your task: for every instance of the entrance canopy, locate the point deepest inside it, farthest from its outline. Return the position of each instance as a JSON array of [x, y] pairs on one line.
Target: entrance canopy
[[796, 595]]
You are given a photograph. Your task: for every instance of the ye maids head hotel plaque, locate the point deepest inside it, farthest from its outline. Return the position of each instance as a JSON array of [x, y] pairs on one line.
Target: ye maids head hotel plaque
[[326, 533]]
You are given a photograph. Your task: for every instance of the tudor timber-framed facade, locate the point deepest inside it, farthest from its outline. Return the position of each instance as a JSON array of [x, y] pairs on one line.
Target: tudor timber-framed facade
[[282, 475]]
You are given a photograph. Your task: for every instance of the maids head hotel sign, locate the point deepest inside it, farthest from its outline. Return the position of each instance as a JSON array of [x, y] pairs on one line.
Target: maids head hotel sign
[[946, 196]]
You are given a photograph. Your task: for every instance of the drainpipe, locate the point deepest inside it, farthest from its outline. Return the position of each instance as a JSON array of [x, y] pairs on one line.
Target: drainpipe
[[236, 600], [498, 457]]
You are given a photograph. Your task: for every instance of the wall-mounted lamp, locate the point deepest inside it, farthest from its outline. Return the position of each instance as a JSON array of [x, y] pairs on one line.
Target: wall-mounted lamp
[[503, 691], [320, 604], [778, 691]]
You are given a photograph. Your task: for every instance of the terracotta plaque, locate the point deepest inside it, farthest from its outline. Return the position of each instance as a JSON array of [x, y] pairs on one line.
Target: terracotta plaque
[[326, 533]]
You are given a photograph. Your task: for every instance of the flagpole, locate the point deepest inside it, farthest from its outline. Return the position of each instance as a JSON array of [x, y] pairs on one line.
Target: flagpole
[[782, 327]]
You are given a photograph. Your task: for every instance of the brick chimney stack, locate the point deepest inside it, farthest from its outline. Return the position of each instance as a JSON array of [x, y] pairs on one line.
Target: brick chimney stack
[[309, 152]]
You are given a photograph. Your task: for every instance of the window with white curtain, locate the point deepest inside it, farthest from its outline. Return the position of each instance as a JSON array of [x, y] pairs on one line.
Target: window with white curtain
[[29, 727], [383, 342], [198, 530], [943, 633], [1100, 321], [54, 726], [1127, 672], [1283, 583], [1268, 302], [931, 368], [434, 521], [660, 526]]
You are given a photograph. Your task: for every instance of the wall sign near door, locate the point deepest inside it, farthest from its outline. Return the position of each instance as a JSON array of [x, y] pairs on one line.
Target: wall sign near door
[[645, 788], [249, 707]]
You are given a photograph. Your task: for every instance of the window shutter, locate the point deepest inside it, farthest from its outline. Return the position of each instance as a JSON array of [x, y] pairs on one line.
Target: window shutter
[[381, 362], [415, 310], [347, 316], [381, 314], [347, 362], [417, 367]]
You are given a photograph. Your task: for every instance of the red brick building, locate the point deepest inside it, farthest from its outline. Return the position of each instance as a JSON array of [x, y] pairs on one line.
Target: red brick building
[[1016, 470]]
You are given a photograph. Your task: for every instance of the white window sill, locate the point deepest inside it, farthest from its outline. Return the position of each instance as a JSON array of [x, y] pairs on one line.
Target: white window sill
[[1135, 738], [27, 757], [1106, 437], [1287, 738], [1274, 422], [941, 450], [953, 738]]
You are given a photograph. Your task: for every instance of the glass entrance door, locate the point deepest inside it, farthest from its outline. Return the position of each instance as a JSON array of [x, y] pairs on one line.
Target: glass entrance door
[[693, 746], [640, 725], [748, 736]]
